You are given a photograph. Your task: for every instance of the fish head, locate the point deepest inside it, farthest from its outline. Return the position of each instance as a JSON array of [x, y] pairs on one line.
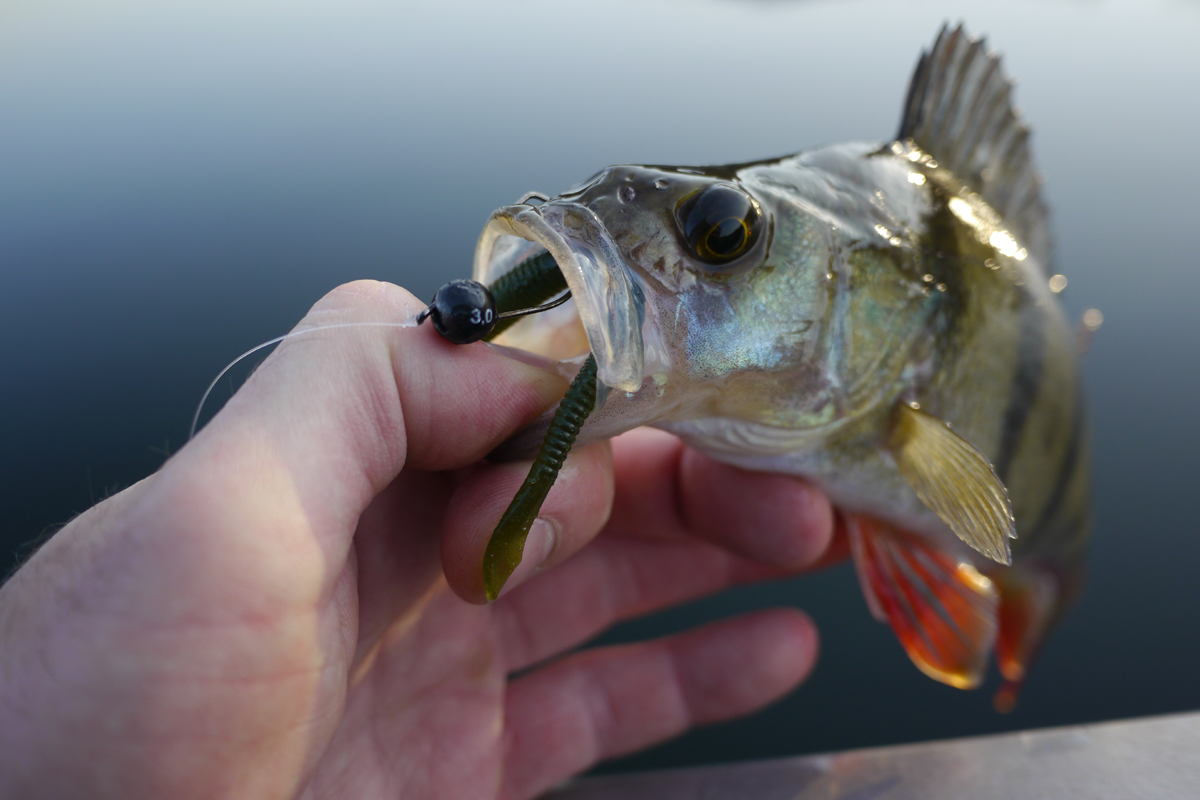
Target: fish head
[[702, 293]]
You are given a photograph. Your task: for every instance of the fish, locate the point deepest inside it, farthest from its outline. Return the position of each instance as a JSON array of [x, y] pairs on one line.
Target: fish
[[881, 318]]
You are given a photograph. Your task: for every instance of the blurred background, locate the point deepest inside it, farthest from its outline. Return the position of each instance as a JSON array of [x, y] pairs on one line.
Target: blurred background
[[179, 182]]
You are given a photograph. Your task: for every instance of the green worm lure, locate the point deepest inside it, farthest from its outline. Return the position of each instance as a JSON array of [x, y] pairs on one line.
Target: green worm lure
[[465, 311], [504, 549]]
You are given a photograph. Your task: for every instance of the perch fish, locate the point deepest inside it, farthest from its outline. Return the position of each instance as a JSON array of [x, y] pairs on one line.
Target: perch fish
[[880, 318]]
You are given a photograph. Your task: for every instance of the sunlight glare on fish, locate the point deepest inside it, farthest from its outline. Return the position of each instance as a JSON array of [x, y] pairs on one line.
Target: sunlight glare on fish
[[962, 209], [1007, 245], [969, 574]]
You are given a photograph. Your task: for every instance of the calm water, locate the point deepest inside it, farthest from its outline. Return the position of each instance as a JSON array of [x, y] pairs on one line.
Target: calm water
[[179, 183]]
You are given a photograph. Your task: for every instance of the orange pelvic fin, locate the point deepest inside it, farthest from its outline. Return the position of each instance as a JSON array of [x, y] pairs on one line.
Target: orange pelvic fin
[[942, 609], [1029, 600]]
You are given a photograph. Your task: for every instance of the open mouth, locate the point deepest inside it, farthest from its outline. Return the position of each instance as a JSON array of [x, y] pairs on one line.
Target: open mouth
[[607, 308]]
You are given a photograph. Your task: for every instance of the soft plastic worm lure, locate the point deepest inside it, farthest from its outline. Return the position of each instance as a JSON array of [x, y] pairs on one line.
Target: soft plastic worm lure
[[532, 281], [465, 311], [504, 549]]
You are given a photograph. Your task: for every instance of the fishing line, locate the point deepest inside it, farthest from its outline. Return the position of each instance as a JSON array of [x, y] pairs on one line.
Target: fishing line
[[278, 340]]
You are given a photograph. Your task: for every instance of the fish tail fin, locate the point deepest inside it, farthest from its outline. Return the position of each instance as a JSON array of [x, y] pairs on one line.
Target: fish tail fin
[[1031, 599], [959, 111], [942, 610]]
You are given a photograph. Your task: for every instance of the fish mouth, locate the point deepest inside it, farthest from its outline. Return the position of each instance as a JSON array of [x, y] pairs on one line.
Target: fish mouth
[[607, 301]]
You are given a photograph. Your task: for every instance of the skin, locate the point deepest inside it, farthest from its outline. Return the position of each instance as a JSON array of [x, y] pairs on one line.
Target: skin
[[292, 606]]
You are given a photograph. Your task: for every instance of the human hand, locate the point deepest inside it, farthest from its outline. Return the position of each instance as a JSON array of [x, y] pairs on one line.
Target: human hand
[[292, 606]]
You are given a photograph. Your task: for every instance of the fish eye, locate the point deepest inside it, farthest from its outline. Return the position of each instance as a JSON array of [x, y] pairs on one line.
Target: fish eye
[[719, 223]]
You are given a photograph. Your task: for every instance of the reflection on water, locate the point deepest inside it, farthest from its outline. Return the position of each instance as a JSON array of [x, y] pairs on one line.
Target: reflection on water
[[183, 182]]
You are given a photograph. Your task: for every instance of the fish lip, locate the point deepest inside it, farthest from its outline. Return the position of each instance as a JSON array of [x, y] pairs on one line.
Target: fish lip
[[611, 304]]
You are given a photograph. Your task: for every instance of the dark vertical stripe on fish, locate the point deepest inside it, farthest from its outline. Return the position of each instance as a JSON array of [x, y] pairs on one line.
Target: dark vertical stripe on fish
[[1066, 471], [1024, 391], [950, 267]]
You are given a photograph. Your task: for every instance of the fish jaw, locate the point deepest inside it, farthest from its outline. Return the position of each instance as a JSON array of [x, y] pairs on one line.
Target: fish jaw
[[609, 302], [607, 316]]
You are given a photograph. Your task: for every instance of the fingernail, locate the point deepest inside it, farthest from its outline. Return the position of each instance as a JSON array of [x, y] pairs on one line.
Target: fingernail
[[539, 544]]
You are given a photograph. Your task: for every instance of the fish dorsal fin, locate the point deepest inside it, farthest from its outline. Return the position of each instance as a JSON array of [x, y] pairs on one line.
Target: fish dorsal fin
[[959, 111], [953, 480]]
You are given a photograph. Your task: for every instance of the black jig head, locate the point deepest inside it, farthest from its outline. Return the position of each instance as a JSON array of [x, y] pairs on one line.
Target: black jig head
[[465, 311]]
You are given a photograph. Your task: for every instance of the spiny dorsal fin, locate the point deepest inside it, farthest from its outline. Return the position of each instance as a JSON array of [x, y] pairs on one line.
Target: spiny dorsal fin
[[959, 110], [953, 480]]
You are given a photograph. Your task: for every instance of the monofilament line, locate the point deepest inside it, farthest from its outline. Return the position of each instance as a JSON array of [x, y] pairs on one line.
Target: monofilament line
[[278, 340]]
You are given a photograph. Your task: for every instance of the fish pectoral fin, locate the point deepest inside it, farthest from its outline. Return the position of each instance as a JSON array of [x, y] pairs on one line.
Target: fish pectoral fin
[[954, 480], [943, 611], [1029, 602]]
